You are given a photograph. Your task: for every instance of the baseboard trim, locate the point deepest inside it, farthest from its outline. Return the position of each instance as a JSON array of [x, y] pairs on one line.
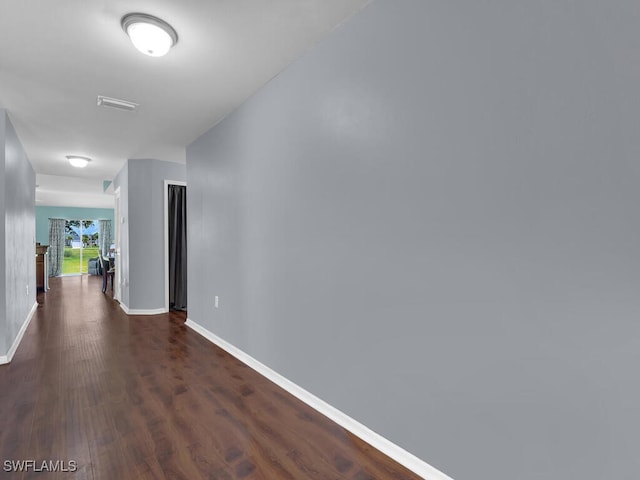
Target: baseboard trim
[[137, 311], [16, 343], [410, 461]]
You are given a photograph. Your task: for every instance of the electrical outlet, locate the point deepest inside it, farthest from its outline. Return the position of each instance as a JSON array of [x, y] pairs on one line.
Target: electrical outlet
[[27, 289], [215, 301]]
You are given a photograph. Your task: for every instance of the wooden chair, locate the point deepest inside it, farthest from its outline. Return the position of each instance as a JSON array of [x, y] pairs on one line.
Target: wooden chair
[[107, 271]]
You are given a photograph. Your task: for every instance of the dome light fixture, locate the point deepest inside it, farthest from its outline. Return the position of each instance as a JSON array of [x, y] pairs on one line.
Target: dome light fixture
[[78, 162], [149, 34]]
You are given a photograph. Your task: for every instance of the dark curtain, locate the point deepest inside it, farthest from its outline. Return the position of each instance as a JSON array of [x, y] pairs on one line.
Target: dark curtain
[[178, 247]]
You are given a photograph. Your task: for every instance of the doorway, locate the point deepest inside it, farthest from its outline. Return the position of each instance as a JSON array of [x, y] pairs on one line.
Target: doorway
[[80, 244], [175, 245]]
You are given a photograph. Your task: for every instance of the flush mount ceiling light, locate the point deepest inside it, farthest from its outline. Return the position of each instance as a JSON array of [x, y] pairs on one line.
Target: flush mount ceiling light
[[79, 162], [151, 35]]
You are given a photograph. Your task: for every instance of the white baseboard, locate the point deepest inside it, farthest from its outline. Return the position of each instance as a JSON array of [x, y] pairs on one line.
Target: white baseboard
[[9, 356], [134, 311], [410, 461]]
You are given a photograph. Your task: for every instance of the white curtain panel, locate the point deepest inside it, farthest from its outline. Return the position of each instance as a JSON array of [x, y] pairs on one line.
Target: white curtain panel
[[56, 246], [106, 238]]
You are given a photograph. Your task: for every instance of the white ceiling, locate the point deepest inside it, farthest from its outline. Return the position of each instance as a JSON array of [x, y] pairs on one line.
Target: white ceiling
[[56, 57], [72, 192]]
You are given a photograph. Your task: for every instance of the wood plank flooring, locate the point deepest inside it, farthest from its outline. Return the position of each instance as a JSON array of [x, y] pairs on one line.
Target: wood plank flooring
[[146, 397]]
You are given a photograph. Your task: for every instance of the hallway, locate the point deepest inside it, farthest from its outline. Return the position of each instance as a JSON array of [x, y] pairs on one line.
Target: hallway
[[145, 397]]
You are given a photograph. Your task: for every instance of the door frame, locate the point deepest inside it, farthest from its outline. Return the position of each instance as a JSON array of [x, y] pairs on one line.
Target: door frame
[[117, 289]]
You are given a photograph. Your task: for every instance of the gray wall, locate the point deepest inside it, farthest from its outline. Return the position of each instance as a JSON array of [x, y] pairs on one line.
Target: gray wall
[[144, 224], [4, 340], [430, 221], [17, 266]]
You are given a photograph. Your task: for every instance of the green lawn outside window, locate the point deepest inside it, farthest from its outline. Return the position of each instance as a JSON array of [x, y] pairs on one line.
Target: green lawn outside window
[[71, 262]]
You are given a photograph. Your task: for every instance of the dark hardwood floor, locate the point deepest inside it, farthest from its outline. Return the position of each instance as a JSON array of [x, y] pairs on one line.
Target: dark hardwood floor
[[146, 397]]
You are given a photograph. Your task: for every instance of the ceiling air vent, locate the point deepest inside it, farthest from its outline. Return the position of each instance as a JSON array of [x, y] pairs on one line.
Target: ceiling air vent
[[116, 103]]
